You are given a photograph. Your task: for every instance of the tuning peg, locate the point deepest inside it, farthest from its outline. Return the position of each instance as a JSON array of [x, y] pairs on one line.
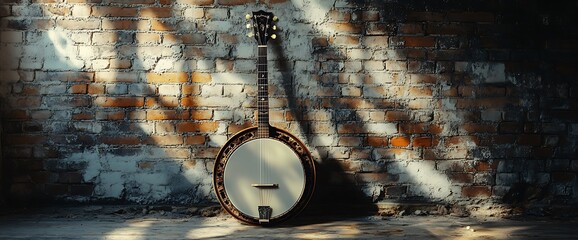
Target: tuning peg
[[249, 25], [275, 18], [251, 34], [274, 27], [248, 16], [273, 36]]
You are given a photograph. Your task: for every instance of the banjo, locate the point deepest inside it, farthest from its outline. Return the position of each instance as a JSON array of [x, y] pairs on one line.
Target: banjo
[[263, 175]]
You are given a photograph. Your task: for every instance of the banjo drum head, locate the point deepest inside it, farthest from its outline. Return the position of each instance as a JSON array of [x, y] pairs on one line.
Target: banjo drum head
[[264, 161]]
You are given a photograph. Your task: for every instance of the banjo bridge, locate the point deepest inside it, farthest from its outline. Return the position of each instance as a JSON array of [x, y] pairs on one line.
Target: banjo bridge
[[265, 185]]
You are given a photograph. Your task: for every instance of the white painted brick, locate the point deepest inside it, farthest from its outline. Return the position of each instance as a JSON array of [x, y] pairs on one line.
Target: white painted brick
[[208, 90], [358, 54], [222, 115], [217, 140], [352, 91], [64, 64], [324, 140], [172, 89], [245, 50], [81, 10], [99, 64], [116, 88], [193, 13], [205, 64], [234, 78], [217, 13], [353, 66], [232, 90], [218, 26], [245, 65], [80, 37], [382, 128], [164, 64]]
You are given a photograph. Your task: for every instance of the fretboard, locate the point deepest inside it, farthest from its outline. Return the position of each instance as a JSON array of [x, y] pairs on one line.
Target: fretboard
[[263, 93]]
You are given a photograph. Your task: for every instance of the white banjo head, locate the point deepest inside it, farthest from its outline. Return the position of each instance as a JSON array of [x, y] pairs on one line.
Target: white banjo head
[[264, 161]]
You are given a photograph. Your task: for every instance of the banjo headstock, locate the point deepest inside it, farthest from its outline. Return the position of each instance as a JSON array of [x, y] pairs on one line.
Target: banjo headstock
[[263, 26]]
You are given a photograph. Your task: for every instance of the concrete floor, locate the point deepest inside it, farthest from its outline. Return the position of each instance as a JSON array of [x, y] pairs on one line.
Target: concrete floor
[[114, 222]]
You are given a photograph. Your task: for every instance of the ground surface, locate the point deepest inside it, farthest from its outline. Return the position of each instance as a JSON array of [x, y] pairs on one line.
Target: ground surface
[[125, 222]]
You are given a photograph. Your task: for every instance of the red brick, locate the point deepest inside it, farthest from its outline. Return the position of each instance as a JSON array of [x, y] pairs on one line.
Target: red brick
[[422, 142], [195, 140], [191, 89], [339, 16], [397, 116], [167, 77], [235, 128], [23, 139], [95, 89], [84, 24], [16, 114], [79, 89], [83, 116], [123, 24], [162, 101], [344, 40], [156, 12], [201, 114], [347, 28], [198, 77], [383, 178], [376, 141], [461, 141], [400, 141], [419, 41], [197, 2], [159, 25], [530, 140], [132, 1], [234, 2], [119, 101], [350, 141], [197, 127], [165, 115], [476, 191], [461, 177], [483, 166], [563, 177], [165, 140], [106, 11]]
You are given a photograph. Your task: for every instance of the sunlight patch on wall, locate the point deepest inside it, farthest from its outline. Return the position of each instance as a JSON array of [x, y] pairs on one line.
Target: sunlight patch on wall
[[65, 55]]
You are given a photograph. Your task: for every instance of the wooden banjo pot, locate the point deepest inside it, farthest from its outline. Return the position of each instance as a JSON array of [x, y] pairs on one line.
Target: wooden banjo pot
[[263, 175]]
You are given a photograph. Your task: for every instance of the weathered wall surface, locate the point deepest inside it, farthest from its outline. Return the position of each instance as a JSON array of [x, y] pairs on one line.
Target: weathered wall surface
[[435, 100]]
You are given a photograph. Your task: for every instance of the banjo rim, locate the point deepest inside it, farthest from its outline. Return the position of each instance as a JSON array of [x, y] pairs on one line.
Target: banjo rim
[[309, 166]]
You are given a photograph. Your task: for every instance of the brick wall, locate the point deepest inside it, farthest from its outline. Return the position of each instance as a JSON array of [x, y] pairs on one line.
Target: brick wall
[[433, 100]]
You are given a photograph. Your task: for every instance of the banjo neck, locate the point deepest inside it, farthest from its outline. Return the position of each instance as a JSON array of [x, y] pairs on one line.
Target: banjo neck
[[263, 93]]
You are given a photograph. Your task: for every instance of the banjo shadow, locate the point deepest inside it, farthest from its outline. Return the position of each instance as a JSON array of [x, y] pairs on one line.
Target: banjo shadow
[[336, 198]]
